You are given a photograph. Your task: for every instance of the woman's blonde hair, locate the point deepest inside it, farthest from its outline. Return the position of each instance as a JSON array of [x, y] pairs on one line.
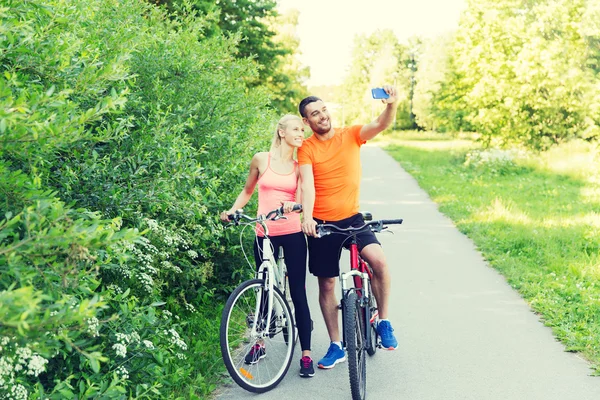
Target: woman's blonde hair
[[282, 124]]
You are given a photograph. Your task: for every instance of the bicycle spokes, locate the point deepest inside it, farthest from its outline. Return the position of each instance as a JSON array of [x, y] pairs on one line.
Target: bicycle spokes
[[255, 349]]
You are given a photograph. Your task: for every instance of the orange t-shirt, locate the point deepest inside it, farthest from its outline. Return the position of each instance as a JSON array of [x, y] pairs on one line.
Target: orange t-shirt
[[337, 172]]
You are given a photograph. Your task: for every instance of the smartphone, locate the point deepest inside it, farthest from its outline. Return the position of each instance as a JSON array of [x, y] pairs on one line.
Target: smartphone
[[379, 93]]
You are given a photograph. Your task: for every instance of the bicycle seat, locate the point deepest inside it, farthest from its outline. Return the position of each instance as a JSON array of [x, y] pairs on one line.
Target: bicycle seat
[[367, 216]]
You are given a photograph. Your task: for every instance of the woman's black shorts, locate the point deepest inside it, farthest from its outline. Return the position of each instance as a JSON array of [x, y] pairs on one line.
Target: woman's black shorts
[[324, 253]]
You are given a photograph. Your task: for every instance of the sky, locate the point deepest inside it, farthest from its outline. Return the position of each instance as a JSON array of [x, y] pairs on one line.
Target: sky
[[326, 28]]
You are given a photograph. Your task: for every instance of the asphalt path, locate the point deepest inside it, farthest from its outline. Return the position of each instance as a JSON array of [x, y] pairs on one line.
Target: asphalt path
[[463, 332]]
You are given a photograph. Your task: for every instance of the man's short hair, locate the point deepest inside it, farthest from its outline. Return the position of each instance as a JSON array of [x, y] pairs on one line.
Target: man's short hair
[[306, 101]]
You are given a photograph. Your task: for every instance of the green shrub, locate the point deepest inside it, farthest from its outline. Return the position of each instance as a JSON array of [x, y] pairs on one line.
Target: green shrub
[[123, 132]]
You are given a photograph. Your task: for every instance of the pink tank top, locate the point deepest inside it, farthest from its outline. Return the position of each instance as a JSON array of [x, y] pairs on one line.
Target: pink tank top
[[273, 190]]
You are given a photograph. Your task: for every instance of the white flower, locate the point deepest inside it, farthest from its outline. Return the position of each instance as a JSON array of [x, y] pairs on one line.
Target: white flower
[[24, 353], [93, 325], [148, 344], [122, 372], [190, 307], [36, 365], [175, 339], [19, 392], [123, 338], [120, 349], [192, 254]]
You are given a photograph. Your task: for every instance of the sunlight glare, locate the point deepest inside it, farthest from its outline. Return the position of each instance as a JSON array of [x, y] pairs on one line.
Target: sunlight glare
[[326, 29]]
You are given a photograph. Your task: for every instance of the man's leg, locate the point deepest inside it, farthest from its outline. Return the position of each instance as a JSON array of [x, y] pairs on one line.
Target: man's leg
[[329, 308], [380, 284]]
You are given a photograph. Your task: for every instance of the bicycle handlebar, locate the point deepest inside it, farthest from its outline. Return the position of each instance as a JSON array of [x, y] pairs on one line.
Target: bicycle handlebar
[[271, 215], [375, 226]]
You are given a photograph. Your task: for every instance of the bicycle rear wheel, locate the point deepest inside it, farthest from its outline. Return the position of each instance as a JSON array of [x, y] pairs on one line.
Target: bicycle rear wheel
[[354, 332], [236, 337], [370, 314]]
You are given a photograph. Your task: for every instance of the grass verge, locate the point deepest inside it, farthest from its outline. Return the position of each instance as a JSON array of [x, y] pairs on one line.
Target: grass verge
[[534, 217]]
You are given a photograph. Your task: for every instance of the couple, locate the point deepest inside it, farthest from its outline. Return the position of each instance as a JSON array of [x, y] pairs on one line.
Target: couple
[[326, 181]]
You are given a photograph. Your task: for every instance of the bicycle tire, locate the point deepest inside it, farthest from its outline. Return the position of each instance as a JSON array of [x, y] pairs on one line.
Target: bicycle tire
[[236, 340], [370, 313], [354, 333], [288, 298]]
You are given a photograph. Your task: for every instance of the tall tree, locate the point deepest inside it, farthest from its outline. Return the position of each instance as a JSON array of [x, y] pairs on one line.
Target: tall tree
[[377, 59], [433, 65], [264, 36], [286, 83], [525, 66]]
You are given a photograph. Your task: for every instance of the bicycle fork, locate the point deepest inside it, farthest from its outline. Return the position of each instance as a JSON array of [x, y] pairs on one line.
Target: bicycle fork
[[364, 294], [265, 270]]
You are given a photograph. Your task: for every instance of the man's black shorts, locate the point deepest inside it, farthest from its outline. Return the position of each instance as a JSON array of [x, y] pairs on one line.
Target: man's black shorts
[[324, 253]]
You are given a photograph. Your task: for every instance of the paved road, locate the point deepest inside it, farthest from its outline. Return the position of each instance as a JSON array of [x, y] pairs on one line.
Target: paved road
[[464, 333]]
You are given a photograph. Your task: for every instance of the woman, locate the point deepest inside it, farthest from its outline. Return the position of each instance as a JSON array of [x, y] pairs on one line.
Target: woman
[[276, 173]]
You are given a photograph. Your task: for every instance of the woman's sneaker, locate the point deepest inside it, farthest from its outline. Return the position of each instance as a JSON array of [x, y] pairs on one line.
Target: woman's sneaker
[[256, 353], [334, 355], [306, 367]]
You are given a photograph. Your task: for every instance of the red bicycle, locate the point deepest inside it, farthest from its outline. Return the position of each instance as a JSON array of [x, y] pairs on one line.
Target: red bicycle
[[359, 308]]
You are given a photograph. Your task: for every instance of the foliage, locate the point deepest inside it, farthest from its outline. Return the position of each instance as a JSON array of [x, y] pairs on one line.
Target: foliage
[[522, 72], [438, 100], [285, 84], [377, 59], [261, 34], [116, 122]]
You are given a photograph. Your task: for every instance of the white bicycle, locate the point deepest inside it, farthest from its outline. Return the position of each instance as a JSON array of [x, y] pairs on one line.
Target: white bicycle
[[260, 313]]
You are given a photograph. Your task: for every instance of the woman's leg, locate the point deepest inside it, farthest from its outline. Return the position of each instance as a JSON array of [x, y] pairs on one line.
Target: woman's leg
[[294, 247]]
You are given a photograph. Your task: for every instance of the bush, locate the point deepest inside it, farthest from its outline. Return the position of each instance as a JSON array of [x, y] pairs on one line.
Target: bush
[[123, 132]]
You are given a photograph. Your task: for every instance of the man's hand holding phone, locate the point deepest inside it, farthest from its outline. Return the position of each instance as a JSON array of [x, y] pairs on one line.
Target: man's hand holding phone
[[386, 93]]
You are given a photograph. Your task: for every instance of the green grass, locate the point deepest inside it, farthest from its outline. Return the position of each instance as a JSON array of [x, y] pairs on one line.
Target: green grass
[[534, 217]]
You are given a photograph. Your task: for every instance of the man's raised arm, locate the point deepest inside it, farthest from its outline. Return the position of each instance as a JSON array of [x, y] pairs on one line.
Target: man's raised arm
[[385, 119]]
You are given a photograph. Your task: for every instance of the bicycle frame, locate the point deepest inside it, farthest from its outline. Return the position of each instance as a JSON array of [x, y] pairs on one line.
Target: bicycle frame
[[359, 270], [258, 313], [361, 276], [272, 272]]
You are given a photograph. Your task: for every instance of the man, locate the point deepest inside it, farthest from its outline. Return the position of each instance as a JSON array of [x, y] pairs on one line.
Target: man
[[330, 171]]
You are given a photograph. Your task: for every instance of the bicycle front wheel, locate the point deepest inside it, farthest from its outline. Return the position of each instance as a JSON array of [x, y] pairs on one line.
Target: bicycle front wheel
[[243, 329], [288, 297], [354, 331]]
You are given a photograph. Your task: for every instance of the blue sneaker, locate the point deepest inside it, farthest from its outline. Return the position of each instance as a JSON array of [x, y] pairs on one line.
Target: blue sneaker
[[385, 332], [334, 355]]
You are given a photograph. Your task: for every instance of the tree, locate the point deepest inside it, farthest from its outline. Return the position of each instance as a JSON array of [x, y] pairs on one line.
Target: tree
[[263, 35], [432, 69], [524, 65], [286, 84], [376, 60]]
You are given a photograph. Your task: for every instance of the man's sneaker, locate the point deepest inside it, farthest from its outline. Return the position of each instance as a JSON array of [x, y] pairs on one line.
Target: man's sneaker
[[334, 355], [386, 333], [256, 353], [306, 367]]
